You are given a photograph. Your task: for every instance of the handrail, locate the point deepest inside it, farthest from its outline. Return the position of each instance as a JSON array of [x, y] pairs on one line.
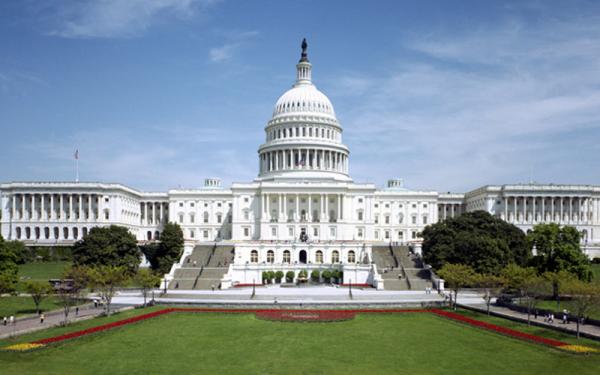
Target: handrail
[[393, 255]]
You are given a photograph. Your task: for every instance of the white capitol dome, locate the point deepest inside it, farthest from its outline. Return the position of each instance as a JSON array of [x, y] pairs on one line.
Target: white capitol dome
[[303, 138]]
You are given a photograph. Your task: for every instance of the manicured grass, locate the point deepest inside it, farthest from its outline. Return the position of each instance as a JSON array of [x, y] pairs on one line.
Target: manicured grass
[[596, 271], [415, 343], [42, 271], [24, 305]]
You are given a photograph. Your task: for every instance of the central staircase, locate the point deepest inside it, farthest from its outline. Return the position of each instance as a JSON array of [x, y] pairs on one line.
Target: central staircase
[[399, 269], [204, 268]]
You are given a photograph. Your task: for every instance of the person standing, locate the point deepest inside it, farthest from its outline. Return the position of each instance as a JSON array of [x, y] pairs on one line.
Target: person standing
[[42, 317], [11, 320], [5, 321], [77, 311]]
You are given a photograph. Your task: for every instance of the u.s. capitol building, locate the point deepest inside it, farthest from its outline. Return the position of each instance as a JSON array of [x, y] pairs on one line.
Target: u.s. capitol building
[[302, 209]]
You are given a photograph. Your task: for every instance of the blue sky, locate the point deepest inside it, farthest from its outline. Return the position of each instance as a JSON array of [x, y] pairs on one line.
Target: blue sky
[[159, 94]]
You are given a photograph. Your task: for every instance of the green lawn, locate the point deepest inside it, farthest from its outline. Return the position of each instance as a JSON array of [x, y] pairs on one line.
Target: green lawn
[[42, 271], [239, 343], [24, 305]]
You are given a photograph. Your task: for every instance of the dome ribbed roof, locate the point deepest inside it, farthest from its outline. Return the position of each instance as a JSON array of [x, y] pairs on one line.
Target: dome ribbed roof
[[304, 99]]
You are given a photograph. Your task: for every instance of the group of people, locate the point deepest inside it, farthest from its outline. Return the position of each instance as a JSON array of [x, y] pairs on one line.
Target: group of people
[[549, 317], [6, 321]]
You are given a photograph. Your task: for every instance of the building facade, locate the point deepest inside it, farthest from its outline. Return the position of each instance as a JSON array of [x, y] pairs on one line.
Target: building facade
[[302, 209]]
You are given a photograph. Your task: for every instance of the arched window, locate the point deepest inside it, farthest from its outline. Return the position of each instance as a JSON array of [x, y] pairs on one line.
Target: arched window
[[319, 256], [18, 233], [65, 233], [149, 235], [84, 232], [36, 232], [219, 218], [335, 256], [286, 256], [270, 256], [400, 218], [351, 257], [254, 256], [47, 233], [56, 233], [157, 235], [192, 218], [75, 233], [27, 232]]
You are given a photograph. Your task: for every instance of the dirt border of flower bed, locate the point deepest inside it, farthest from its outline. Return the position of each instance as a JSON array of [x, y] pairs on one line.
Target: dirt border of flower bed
[[328, 315]]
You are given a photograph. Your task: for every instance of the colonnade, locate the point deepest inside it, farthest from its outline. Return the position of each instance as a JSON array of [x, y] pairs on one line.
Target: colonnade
[[303, 159], [449, 210], [277, 207], [154, 212], [50, 206], [558, 209]]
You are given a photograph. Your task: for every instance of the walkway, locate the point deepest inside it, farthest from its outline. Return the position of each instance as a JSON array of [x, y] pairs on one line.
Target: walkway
[[52, 318]]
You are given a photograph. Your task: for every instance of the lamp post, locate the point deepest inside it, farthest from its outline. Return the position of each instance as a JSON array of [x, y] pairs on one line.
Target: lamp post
[[253, 288], [350, 289]]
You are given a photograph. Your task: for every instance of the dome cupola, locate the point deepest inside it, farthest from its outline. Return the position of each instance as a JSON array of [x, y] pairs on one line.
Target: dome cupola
[[303, 137]]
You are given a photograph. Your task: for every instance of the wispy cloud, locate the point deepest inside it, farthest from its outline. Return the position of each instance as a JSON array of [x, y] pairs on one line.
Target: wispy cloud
[[235, 41], [485, 107], [118, 18]]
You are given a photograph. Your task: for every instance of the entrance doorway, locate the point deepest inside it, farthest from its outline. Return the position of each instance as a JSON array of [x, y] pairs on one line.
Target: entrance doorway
[[303, 256]]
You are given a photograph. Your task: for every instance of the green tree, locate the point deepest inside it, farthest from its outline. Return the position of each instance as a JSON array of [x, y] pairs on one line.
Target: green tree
[[289, 276], [585, 297], [278, 276], [457, 277], [147, 280], [492, 286], [528, 283], [9, 271], [326, 276], [558, 280], [477, 239], [169, 250], [558, 249], [38, 292], [108, 246], [75, 280], [106, 280], [315, 275]]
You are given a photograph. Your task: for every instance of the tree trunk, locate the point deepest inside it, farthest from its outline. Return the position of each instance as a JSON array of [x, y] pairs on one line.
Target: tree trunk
[[488, 306], [578, 320], [455, 298], [144, 291]]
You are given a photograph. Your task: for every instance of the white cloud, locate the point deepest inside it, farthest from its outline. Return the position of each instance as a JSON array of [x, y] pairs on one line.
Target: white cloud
[[481, 108], [118, 18], [235, 42]]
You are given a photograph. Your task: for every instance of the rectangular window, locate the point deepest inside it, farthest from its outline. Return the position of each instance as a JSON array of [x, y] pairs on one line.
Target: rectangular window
[[291, 231], [332, 232], [246, 232], [274, 231], [387, 235], [424, 219], [414, 219], [387, 219], [205, 234], [316, 232], [360, 215], [360, 233]]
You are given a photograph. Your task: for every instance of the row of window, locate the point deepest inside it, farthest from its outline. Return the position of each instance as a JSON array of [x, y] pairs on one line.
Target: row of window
[[335, 256], [47, 233], [302, 131], [205, 218]]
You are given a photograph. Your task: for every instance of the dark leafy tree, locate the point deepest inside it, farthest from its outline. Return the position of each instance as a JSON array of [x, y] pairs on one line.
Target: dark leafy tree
[[477, 239], [9, 271], [38, 291], [108, 246], [168, 251], [558, 249]]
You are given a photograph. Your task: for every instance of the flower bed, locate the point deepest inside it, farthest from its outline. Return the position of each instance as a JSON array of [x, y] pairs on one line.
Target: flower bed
[[306, 315]]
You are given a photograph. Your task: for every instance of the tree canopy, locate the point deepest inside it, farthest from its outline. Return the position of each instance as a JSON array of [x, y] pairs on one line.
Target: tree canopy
[[477, 239], [168, 251], [9, 271], [109, 246], [558, 249]]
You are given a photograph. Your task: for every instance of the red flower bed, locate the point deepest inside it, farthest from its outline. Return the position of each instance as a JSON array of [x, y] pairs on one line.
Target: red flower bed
[[498, 329], [306, 315], [309, 316]]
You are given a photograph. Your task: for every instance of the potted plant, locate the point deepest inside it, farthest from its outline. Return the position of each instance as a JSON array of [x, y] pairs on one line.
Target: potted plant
[[315, 275], [289, 276], [326, 275], [302, 276], [278, 276], [270, 276], [265, 277]]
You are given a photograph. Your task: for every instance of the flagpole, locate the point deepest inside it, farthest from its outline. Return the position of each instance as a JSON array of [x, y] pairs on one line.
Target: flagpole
[[77, 170]]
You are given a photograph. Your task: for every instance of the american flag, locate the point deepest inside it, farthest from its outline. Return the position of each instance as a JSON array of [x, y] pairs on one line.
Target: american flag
[[77, 154]]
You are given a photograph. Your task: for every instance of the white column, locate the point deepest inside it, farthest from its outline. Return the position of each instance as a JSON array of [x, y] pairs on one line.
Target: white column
[[452, 210], [70, 207], [146, 221], [297, 207], [80, 206], [515, 212], [339, 213], [153, 213], [570, 209], [89, 210], [32, 216], [14, 206], [533, 207], [162, 213], [309, 216], [42, 208], [506, 209]]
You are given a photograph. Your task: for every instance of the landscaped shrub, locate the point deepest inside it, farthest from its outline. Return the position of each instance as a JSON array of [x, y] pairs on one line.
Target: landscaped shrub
[[278, 276], [265, 277], [270, 276], [315, 275], [302, 274], [326, 276], [335, 275], [289, 276]]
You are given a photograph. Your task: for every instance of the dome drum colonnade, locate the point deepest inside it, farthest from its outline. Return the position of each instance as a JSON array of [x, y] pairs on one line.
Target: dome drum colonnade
[[303, 134]]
